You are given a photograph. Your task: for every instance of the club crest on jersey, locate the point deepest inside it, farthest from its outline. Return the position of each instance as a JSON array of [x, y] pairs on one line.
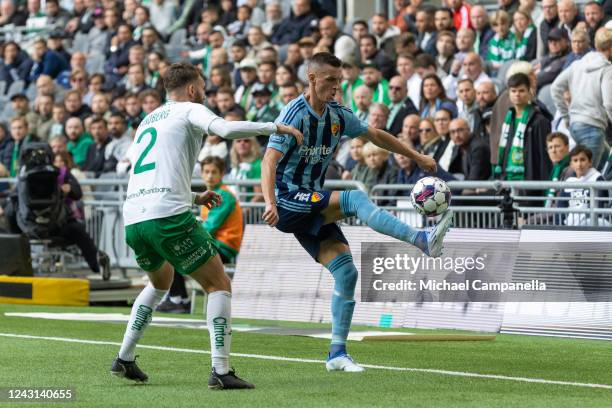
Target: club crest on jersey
[[316, 197], [335, 127]]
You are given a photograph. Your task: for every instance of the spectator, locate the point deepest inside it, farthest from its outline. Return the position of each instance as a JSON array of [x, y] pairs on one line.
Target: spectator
[[372, 78], [227, 13], [288, 93], [150, 100], [464, 43], [410, 130], [380, 170], [238, 29], [526, 36], [461, 14], [384, 33], [263, 108], [406, 69], [568, 17], [248, 74], [226, 103], [99, 36], [15, 64], [95, 161], [151, 42], [557, 145], [296, 26], [502, 47], [363, 100], [521, 152], [360, 28], [163, 12], [78, 82], [20, 137], [581, 162], [294, 57], [594, 18], [467, 106], [274, 16], [136, 80], [351, 81], [433, 97], [590, 83], [79, 141], [245, 156], [46, 86], [409, 173], [445, 155], [46, 62], [472, 69], [44, 109], [213, 146], [473, 151], [482, 28], [355, 166], [6, 148], [486, 96], [223, 222], [443, 20], [340, 44], [54, 43], [369, 52], [21, 107], [549, 67], [445, 45], [580, 47], [509, 6], [9, 14], [429, 140], [74, 105], [118, 55], [550, 21], [400, 105], [378, 116], [121, 139], [59, 117], [426, 30], [133, 110], [306, 52], [257, 41], [100, 105]]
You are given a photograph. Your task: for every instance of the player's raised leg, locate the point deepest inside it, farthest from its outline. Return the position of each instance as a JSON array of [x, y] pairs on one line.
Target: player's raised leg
[[336, 257], [211, 276], [343, 204], [142, 310]]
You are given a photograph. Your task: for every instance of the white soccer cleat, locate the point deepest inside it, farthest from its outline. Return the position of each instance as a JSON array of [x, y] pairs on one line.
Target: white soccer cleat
[[435, 237], [343, 363]]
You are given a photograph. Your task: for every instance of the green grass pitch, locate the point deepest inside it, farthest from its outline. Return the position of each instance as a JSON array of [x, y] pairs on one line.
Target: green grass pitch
[[178, 379]]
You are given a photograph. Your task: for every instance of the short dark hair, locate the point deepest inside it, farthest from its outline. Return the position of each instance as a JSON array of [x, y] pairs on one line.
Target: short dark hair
[[225, 90], [519, 79], [150, 92], [216, 161], [325, 58], [425, 61], [557, 135], [179, 75], [97, 119], [446, 10], [581, 149], [361, 22], [368, 36], [594, 3], [118, 115]]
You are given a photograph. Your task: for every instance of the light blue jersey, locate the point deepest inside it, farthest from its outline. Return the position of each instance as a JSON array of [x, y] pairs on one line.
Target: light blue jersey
[[303, 167]]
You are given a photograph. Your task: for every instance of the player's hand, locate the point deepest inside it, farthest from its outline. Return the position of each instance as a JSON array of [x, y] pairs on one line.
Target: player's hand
[[425, 162], [290, 130], [210, 199], [270, 215]]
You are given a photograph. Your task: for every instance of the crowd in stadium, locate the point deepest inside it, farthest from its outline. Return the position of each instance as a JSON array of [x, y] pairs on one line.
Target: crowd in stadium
[[504, 94]]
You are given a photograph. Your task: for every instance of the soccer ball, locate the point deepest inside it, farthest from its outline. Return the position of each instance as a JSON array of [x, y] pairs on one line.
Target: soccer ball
[[430, 196]]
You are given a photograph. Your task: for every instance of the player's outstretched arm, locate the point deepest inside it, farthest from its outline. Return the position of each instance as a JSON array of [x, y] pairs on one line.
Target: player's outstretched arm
[[268, 172], [242, 129], [389, 142]]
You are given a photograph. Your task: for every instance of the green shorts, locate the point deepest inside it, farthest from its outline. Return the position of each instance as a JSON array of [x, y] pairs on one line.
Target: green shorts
[[179, 239]]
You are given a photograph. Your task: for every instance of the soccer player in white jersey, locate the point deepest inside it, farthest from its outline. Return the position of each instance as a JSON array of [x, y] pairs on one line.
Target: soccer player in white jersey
[[159, 224]]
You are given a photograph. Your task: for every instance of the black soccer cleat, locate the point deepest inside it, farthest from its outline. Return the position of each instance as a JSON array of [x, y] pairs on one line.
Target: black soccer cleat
[[129, 370], [227, 381], [168, 306], [104, 262]]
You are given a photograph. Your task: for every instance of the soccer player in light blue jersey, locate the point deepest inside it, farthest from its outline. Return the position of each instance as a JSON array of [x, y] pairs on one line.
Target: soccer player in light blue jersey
[[292, 183]]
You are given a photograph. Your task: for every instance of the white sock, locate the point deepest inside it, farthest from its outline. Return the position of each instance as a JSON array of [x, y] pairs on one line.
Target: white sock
[[218, 320], [142, 311]]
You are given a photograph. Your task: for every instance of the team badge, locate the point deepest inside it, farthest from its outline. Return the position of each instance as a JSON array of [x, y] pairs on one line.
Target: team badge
[[316, 197], [335, 128]]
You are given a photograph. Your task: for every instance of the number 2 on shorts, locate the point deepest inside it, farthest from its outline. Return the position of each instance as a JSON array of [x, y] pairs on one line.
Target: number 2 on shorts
[[141, 168]]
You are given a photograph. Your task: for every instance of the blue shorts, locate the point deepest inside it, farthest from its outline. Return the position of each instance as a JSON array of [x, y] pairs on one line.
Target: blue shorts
[[299, 213]]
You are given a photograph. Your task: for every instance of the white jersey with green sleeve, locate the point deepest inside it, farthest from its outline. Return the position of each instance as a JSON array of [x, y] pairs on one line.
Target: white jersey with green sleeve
[[164, 152]]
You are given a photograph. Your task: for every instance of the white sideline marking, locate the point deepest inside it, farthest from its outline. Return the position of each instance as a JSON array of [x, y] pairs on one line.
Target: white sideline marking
[[313, 361]]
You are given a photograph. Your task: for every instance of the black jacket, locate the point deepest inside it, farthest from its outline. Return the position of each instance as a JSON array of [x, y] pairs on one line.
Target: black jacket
[[475, 160], [545, 27], [537, 163], [408, 108]]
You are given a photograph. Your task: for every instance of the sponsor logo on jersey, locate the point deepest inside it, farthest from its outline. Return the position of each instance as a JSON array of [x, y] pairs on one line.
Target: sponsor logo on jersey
[[302, 196], [335, 127], [316, 197], [314, 154]]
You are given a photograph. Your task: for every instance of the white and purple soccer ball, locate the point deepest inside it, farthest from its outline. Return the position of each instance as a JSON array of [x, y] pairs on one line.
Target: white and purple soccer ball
[[430, 196]]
